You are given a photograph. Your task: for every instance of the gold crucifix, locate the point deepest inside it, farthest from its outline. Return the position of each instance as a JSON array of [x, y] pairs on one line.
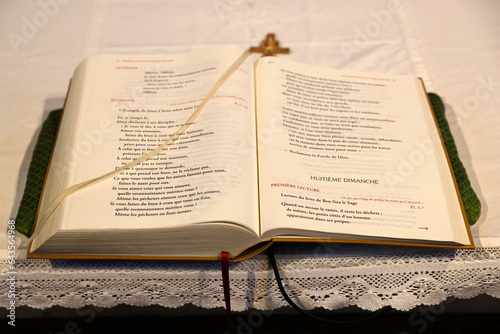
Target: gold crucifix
[[269, 47]]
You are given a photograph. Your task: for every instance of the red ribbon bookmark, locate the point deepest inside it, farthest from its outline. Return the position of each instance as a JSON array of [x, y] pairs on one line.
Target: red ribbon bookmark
[[224, 260]]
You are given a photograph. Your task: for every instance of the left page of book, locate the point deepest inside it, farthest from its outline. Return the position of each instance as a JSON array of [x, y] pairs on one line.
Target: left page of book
[[122, 106]]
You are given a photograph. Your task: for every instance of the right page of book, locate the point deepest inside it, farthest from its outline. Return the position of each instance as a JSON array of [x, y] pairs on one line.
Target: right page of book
[[351, 155]]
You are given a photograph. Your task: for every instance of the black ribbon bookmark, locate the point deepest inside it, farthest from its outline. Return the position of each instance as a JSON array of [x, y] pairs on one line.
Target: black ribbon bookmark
[[272, 260]]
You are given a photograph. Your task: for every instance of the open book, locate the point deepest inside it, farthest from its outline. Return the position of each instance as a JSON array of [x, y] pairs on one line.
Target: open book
[[282, 152]]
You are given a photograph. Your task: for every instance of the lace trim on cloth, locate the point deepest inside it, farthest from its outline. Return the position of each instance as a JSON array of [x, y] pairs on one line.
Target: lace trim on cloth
[[336, 277]]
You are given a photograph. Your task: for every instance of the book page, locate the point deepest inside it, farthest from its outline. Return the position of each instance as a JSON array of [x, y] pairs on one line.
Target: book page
[[132, 103], [350, 153]]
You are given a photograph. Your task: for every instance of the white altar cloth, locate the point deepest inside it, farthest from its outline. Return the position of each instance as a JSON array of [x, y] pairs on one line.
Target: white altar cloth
[[452, 45]]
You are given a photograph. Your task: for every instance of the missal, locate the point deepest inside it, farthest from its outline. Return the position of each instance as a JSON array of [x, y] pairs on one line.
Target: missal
[[282, 151]]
